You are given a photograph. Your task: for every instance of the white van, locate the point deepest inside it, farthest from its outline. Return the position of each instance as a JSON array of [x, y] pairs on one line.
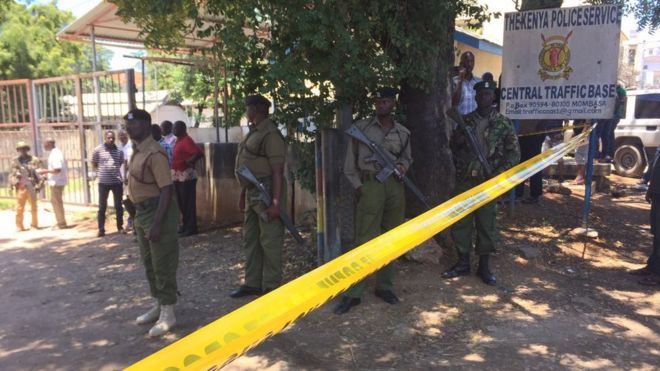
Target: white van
[[638, 134]]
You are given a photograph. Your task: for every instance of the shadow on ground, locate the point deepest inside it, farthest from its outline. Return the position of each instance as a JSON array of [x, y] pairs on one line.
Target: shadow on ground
[[67, 301]]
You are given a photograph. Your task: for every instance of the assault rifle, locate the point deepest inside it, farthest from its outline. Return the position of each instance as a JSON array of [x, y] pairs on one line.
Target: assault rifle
[[472, 141], [267, 200], [388, 166]]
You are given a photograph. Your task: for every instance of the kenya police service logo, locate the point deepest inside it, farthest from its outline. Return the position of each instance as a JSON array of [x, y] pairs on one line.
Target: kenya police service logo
[[554, 58]]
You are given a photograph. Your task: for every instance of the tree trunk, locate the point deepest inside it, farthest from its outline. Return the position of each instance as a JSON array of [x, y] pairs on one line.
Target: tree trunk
[[433, 168], [346, 205]]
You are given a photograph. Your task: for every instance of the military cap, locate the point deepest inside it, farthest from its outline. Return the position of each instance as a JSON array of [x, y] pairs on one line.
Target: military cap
[[138, 115], [22, 144], [257, 99], [386, 92], [485, 84]]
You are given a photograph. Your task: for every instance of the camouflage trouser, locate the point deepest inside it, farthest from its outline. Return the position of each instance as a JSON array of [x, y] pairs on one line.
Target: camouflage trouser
[[263, 241], [161, 259], [381, 207], [483, 220]]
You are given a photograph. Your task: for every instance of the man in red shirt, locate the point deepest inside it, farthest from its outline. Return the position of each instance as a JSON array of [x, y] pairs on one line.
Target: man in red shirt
[[186, 153]]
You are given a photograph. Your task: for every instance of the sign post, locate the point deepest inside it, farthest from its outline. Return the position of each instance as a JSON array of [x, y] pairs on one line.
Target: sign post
[[562, 63]]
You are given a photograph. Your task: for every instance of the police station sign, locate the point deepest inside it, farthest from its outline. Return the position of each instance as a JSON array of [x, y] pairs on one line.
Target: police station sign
[[561, 63]]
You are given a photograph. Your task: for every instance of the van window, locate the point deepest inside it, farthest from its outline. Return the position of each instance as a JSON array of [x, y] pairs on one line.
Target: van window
[[647, 106]]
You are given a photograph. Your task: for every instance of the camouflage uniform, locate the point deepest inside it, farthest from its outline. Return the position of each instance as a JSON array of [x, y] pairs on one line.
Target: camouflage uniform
[[24, 180], [500, 145]]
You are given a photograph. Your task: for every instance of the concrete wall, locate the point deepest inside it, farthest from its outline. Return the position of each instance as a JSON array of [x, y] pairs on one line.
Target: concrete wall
[[210, 135], [218, 191]]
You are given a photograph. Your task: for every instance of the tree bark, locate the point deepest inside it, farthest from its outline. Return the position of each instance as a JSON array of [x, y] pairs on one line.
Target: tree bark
[[346, 205], [433, 166]]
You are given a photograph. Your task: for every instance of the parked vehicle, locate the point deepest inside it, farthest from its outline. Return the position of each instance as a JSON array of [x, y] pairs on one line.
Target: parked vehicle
[[638, 133]]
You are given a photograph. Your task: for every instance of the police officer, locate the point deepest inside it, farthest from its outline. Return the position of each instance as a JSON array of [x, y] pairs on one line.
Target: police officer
[[498, 141], [262, 151], [151, 191], [27, 183], [380, 206]]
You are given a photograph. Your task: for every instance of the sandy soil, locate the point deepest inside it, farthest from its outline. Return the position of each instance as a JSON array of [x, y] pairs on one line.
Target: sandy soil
[[68, 300]]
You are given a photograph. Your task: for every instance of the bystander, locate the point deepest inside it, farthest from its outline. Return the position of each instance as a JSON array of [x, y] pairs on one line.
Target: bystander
[[463, 97], [186, 154], [107, 160], [56, 172]]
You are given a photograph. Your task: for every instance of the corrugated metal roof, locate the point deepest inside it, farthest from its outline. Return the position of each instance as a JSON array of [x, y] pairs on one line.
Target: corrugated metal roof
[[110, 29]]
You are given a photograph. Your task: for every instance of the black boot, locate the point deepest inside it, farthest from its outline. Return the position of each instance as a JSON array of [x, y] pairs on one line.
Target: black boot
[[461, 268], [346, 305], [245, 291], [484, 271], [387, 296]]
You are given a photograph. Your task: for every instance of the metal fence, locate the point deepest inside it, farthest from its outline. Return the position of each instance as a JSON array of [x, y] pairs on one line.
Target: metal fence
[[74, 111]]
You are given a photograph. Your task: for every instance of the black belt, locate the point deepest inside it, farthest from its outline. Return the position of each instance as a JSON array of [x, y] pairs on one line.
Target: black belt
[[141, 206]]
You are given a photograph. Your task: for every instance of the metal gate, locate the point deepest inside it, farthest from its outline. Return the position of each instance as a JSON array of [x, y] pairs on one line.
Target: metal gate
[[74, 111]]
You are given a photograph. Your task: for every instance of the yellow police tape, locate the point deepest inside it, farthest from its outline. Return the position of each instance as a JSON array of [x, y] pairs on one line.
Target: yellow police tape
[[220, 342]]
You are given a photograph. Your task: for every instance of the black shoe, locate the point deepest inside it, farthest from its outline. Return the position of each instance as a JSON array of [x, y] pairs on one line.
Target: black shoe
[[462, 268], [180, 230], [484, 271], [100, 234], [346, 305], [245, 291], [387, 296]]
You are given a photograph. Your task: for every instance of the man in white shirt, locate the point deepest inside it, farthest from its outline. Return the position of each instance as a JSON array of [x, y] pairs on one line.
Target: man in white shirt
[[57, 180], [463, 96]]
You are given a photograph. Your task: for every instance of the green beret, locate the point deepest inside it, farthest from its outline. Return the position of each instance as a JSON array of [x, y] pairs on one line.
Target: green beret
[[386, 92], [138, 115], [256, 100], [485, 84], [22, 144]]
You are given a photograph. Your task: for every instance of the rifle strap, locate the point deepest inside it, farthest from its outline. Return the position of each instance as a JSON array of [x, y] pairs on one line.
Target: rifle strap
[[144, 168]]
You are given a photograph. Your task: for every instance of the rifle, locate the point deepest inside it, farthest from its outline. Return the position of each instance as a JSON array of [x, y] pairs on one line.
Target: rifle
[[267, 200], [33, 183], [389, 167], [472, 141]]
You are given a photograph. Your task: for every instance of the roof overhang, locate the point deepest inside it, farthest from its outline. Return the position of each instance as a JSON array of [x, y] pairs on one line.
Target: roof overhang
[[109, 29], [476, 41]]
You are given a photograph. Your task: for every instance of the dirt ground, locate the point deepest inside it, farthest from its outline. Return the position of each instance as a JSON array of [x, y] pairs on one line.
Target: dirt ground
[[68, 300]]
